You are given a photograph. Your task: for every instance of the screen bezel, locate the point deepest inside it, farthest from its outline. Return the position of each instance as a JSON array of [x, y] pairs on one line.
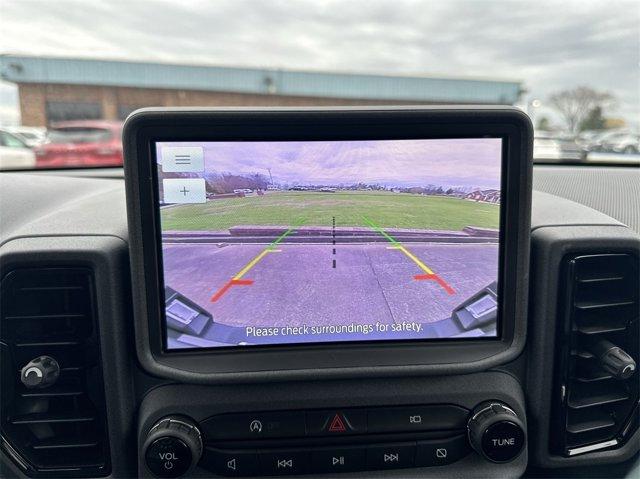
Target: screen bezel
[[145, 129]]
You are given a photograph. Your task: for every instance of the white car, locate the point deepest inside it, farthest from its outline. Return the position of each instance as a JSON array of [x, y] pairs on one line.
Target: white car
[[548, 146], [605, 142], [629, 144], [15, 154], [32, 135]]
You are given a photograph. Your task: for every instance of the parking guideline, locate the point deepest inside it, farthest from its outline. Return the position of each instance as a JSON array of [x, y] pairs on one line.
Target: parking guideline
[[429, 273], [237, 279]]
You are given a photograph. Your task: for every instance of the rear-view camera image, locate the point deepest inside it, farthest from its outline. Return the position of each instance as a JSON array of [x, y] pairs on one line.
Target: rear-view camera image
[[289, 242]]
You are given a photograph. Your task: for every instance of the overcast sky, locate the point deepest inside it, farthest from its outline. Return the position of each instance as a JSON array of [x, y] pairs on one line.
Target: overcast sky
[[460, 162], [547, 45]]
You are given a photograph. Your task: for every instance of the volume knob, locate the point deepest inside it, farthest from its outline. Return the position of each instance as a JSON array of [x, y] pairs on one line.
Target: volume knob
[[173, 447], [496, 432]]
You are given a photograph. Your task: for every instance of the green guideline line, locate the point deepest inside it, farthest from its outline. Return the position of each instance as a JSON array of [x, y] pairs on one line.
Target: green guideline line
[[285, 234], [380, 230]]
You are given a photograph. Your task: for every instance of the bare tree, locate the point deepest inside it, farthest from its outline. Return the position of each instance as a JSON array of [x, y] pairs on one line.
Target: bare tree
[[576, 104], [259, 181]]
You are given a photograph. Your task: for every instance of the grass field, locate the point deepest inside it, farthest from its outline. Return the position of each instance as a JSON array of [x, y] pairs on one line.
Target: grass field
[[389, 210]]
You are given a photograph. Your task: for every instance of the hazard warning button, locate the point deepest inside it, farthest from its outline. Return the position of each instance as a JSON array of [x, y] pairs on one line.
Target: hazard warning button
[[336, 422]]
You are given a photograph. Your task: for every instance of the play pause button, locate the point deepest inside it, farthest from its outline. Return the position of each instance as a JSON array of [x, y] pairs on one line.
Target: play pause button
[[338, 459]]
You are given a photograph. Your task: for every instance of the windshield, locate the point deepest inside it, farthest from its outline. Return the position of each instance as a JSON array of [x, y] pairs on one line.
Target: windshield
[[571, 66], [27, 135], [11, 141]]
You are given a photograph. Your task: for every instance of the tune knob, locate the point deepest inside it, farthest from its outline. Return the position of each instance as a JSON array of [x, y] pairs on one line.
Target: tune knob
[[40, 372], [173, 447], [496, 432]]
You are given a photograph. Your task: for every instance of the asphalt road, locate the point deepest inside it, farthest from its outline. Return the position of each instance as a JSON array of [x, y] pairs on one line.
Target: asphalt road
[[297, 285]]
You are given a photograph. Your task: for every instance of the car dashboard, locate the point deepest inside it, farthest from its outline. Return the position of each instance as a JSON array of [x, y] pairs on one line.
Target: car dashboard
[[67, 294]]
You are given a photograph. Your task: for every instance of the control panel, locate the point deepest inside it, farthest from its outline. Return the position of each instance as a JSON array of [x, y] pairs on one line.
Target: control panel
[[333, 440]]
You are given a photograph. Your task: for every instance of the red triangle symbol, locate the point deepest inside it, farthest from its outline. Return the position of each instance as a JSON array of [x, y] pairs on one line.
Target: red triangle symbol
[[337, 425]]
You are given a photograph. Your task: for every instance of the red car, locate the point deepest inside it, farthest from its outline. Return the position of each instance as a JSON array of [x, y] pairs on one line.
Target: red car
[[82, 143]]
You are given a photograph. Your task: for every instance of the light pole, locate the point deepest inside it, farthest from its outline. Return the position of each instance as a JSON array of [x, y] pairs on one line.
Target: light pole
[[531, 109]]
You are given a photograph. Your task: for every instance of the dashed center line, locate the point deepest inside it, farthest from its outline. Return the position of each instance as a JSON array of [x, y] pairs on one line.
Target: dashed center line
[[333, 234]]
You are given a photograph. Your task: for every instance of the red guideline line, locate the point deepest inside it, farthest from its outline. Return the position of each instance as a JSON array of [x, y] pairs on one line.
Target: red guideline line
[[234, 282], [438, 280]]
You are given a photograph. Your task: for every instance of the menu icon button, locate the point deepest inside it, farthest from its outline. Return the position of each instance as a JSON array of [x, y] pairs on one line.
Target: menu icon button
[[182, 159]]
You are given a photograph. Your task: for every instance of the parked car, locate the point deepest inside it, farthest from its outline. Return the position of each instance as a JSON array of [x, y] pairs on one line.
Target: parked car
[[607, 139], [628, 144], [32, 135], [81, 144], [548, 146], [586, 139], [14, 152]]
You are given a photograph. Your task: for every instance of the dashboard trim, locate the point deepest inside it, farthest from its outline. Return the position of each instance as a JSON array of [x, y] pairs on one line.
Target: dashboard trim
[[106, 256], [550, 244]]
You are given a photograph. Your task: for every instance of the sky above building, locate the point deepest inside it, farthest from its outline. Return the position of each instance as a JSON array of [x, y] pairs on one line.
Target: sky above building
[[548, 45], [393, 163]]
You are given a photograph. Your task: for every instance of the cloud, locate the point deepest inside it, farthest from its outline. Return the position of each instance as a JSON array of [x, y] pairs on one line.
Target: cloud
[[457, 162], [550, 45]]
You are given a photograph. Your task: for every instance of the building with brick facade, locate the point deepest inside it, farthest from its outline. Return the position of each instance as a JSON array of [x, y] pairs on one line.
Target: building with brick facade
[[56, 89]]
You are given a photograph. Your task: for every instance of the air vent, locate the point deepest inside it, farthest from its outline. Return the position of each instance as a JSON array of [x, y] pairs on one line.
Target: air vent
[[599, 309], [58, 430]]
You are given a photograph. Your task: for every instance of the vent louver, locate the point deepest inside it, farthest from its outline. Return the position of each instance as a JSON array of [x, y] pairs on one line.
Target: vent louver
[[59, 430], [594, 409]]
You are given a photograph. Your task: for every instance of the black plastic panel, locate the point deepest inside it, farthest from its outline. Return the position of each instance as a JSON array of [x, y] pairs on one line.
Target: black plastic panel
[[203, 402], [584, 232], [105, 256], [328, 360], [598, 302], [60, 430]]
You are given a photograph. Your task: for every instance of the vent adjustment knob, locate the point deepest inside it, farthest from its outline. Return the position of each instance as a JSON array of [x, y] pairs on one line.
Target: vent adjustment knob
[[614, 360], [173, 447], [40, 372], [496, 432]]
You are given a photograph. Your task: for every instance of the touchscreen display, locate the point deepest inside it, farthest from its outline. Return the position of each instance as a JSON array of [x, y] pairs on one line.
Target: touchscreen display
[[286, 242]]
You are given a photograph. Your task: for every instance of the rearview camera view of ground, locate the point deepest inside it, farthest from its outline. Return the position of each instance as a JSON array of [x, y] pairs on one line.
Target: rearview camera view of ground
[[268, 243]]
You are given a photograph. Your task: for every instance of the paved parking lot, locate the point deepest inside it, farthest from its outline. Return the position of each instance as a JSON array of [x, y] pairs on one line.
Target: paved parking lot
[[297, 285]]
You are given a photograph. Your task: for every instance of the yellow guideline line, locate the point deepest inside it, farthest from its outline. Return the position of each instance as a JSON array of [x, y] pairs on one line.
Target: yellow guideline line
[[263, 253], [252, 263], [397, 245], [420, 264]]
